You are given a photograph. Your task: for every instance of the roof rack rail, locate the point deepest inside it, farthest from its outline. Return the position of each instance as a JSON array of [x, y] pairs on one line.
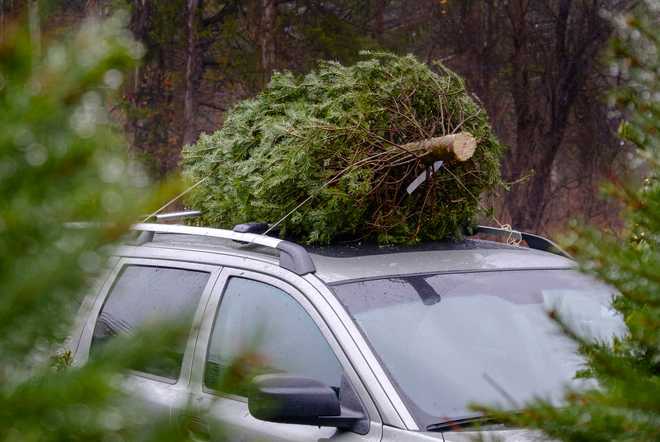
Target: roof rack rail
[[293, 256], [169, 216], [536, 242]]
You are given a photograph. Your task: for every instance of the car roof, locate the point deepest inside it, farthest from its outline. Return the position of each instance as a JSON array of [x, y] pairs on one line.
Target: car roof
[[349, 262], [465, 256]]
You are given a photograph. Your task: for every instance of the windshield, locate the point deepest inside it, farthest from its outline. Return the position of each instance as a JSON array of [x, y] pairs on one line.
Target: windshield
[[448, 340]]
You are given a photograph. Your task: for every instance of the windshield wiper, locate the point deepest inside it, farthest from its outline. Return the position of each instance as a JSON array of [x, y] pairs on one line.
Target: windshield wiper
[[463, 422]]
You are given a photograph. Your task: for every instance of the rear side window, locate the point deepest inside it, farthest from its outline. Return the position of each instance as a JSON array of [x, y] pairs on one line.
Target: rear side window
[[144, 294]]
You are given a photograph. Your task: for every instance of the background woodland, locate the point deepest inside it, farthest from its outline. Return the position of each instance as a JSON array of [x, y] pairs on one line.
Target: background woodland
[[536, 65]]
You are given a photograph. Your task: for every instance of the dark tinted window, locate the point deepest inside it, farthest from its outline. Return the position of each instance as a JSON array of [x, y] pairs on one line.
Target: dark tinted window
[[143, 294], [268, 332]]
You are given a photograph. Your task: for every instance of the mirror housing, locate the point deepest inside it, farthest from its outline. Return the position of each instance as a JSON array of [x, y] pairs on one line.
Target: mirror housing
[[298, 400]]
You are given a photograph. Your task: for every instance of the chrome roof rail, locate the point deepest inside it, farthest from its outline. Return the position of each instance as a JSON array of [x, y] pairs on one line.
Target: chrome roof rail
[[293, 256], [177, 215], [536, 242], [169, 216]]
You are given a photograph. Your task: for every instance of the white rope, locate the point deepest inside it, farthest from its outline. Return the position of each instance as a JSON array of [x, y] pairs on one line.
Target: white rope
[[317, 191], [292, 211], [511, 239], [174, 199]]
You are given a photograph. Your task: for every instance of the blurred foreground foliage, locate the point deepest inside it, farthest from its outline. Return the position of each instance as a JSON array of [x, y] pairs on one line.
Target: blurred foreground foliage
[[61, 160], [626, 407]]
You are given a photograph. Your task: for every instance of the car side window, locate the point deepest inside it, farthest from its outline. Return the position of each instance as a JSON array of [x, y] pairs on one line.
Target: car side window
[[261, 329], [145, 294]]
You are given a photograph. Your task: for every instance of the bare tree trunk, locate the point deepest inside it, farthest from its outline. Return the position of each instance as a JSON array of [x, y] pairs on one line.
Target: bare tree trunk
[[379, 20], [35, 27], [192, 65], [138, 25], [267, 37], [92, 8], [544, 99], [2, 20]]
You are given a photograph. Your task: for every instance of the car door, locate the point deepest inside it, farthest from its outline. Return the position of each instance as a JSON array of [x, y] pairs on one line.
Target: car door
[[143, 290], [257, 324]]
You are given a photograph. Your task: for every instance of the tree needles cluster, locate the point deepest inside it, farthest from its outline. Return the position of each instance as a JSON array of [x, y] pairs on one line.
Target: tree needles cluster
[[341, 145], [626, 405], [62, 160]]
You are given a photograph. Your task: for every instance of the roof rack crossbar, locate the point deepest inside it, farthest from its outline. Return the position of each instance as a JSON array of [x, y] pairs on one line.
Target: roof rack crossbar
[[536, 242], [293, 256]]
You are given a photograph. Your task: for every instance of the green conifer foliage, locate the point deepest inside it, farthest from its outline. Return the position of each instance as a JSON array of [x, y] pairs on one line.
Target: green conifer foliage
[[60, 161], [330, 142], [626, 407]]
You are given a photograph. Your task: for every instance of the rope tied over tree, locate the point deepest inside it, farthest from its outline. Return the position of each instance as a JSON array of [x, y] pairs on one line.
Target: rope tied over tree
[[334, 151]]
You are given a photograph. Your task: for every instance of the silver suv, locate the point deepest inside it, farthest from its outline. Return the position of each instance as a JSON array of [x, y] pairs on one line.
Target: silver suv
[[347, 343]]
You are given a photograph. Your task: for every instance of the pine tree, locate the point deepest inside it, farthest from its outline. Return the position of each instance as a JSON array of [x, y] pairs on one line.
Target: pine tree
[[61, 160], [626, 406], [332, 155]]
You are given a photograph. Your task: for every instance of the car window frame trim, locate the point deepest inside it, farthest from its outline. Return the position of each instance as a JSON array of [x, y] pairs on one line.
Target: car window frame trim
[[397, 413], [185, 371], [197, 386], [372, 390], [446, 272]]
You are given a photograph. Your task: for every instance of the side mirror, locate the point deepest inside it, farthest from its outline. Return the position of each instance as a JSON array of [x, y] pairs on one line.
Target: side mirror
[[294, 399]]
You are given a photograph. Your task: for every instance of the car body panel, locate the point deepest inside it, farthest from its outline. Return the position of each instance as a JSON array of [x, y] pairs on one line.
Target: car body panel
[[512, 435], [389, 418], [379, 387], [394, 412], [158, 394], [84, 342], [233, 410], [331, 269], [391, 434]]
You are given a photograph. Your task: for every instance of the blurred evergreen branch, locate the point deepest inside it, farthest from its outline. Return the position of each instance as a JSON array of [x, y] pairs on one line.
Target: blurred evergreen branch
[[626, 407], [62, 160]]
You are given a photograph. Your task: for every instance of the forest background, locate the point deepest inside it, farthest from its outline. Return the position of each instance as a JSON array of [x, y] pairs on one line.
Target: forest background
[[542, 69], [536, 65]]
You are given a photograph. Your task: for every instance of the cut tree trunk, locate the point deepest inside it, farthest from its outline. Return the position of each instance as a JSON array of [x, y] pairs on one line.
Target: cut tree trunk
[[453, 147]]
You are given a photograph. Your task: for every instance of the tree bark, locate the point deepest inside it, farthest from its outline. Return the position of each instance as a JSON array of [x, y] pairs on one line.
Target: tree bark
[[192, 66], [34, 23], [2, 20], [267, 37], [138, 26], [379, 20], [544, 100], [92, 8], [453, 147]]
